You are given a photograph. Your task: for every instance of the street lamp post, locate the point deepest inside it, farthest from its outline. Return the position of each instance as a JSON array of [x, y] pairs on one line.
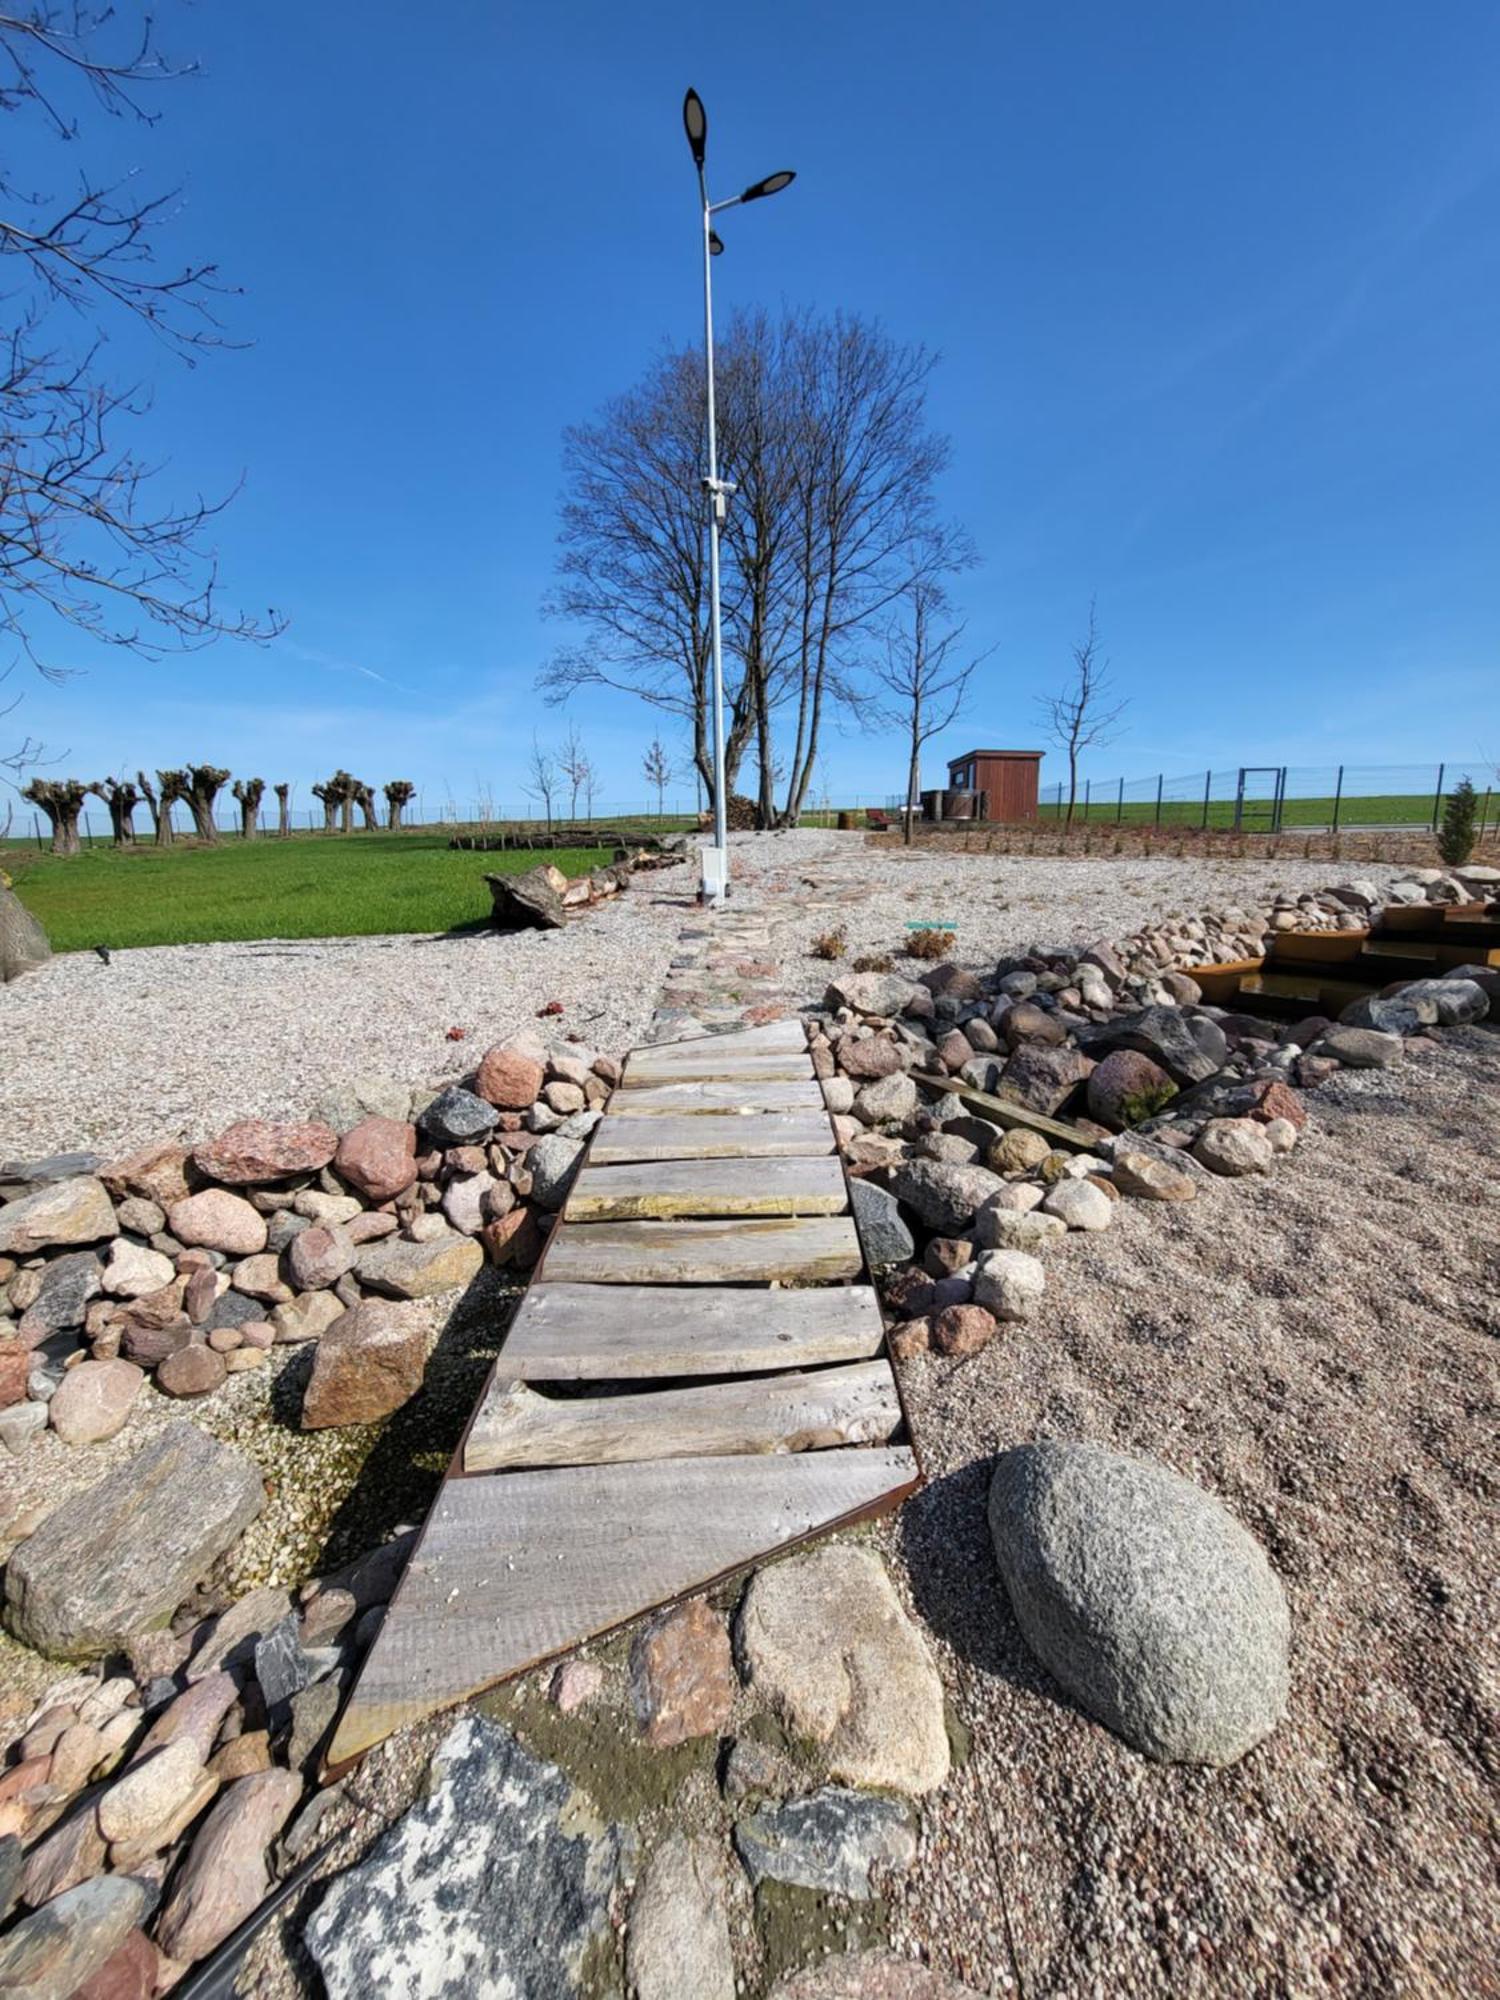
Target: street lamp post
[[717, 490]]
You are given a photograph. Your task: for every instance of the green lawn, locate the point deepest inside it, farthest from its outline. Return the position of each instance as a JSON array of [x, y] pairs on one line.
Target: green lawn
[[1355, 810], [349, 885]]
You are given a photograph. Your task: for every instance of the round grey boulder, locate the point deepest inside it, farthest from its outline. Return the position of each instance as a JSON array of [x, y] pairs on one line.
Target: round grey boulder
[[1156, 1610]]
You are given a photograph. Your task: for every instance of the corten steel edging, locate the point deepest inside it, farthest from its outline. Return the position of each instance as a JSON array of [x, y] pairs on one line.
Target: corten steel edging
[[886, 1503]]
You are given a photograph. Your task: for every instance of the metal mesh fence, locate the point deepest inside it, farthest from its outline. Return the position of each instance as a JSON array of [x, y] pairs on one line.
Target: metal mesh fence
[[1272, 798]]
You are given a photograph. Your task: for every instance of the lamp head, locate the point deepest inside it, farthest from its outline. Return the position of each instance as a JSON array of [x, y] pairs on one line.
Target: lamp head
[[772, 184], [695, 124]]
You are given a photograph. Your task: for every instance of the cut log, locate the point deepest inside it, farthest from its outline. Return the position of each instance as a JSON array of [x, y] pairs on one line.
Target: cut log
[[513, 1568], [593, 1333], [718, 1136], [817, 1250], [517, 1427], [1000, 1111], [658, 1189]]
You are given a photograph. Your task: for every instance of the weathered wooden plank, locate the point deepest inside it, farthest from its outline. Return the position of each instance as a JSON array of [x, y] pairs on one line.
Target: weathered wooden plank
[[716, 1136], [515, 1426], [1000, 1111], [612, 1333], [773, 1038], [817, 1249], [795, 1066], [659, 1189], [514, 1567], [694, 1099]]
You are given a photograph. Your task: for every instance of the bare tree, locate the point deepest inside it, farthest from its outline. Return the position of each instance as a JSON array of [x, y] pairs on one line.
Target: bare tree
[[1085, 715], [61, 799], [543, 783], [283, 811], [398, 795], [573, 762], [824, 431], [364, 798], [657, 766], [249, 792], [83, 542], [927, 678], [121, 798], [590, 783], [203, 787]]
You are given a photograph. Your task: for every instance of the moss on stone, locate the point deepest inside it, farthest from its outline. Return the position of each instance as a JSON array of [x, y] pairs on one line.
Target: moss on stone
[[800, 1927]]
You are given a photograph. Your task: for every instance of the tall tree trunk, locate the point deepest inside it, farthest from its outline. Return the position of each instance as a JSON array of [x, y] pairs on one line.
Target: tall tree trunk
[[913, 775], [347, 815], [1072, 782], [283, 811]]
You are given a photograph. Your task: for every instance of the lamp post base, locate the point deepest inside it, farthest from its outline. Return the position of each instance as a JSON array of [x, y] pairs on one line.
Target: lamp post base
[[715, 883]]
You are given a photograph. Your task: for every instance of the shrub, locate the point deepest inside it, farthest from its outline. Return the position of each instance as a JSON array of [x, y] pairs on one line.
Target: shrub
[[875, 961], [829, 945], [1456, 836], [929, 944]]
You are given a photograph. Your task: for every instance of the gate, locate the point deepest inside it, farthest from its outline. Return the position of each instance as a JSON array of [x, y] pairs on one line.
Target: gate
[[1260, 815]]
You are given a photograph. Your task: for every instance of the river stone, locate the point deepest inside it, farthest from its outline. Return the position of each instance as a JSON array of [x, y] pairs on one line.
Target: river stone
[[225, 1875], [367, 1364], [317, 1257], [405, 1270], [552, 1163], [64, 1212], [943, 1194], [49, 1954], [346, 1105], [456, 1117], [131, 1271], [1454, 1001], [120, 1557], [883, 1236], [93, 1401], [998, 1227], [1080, 1205], [1360, 1048], [887, 1101], [678, 1942], [1126, 1088], [192, 1370], [67, 1285], [883, 994], [1189, 1047], [378, 1156], [1009, 1283], [826, 1643], [494, 1884], [218, 1220], [308, 1316], [1144, 1597], [150, 1791], [1234, 1146], [828, 1841], [1152, 1179], [1042, 1079]]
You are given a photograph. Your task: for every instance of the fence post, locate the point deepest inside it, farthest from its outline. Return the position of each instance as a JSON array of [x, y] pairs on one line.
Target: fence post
[[1437, 798], [1208, 785], [1484, 814], [1120, 804], [1159, 777], [1338, 798], [1088, 799], [36, 827]]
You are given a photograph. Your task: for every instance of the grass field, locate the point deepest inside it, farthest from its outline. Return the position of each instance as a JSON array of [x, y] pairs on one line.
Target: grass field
[[1387, 809], [356, 885]]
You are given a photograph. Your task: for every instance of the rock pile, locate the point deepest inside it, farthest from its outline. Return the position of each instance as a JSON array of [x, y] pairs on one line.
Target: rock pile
[[184, 1265], [146, 1812], [1093, 1075]]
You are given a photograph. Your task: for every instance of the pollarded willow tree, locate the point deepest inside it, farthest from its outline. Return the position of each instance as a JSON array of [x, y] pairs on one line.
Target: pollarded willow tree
[[283, 811], [85, 543], [335, 795], [363, 796], [61, 799], [204, 783], [121, 798], [249, 792], [398, 795], [823, 427]]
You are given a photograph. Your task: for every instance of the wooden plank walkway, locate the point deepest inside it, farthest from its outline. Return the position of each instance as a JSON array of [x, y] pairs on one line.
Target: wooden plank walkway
[[705, 1287]]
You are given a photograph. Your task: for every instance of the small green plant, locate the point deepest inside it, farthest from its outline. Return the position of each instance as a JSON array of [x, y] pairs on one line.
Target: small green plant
[[929, 944], [829, 945], [1456, 836]]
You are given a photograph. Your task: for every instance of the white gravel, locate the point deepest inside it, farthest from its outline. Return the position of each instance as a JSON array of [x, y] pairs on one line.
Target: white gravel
[[180, 1040]]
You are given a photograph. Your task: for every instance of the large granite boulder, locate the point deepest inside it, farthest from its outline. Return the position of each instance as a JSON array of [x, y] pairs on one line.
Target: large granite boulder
[[59, 1214], [944, 1194], [881, 994], [261, 1149], [1189, 1047], [367, 1364], [495, 1883], [1157, 1612], [119, 1557], [1042, 1079], [533, 901]]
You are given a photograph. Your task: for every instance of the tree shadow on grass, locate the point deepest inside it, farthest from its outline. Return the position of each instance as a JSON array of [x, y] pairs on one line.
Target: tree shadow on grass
[[405, 1456]]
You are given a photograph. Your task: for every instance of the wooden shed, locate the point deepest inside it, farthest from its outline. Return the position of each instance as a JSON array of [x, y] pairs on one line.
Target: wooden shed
[[1005, 779]]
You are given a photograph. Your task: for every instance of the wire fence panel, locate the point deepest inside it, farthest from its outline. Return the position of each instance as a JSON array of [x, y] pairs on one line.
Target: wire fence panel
[[1272, 798]]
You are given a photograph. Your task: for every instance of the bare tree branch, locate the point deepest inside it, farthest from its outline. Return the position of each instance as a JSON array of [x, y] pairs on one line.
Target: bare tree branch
[[1085, 714]]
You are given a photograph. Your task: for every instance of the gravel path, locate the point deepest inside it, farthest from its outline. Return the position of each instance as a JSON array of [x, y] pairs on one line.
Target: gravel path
[[1317, 1349], [181, 1039]]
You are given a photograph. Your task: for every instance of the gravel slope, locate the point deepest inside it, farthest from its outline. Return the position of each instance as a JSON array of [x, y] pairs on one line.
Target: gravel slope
[[180, 1039]]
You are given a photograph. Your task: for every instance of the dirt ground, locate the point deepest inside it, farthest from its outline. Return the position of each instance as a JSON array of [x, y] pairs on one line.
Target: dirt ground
[[1318, 1349]]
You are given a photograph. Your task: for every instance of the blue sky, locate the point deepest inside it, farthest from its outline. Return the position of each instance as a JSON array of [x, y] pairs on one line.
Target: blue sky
[[1217, 292]]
